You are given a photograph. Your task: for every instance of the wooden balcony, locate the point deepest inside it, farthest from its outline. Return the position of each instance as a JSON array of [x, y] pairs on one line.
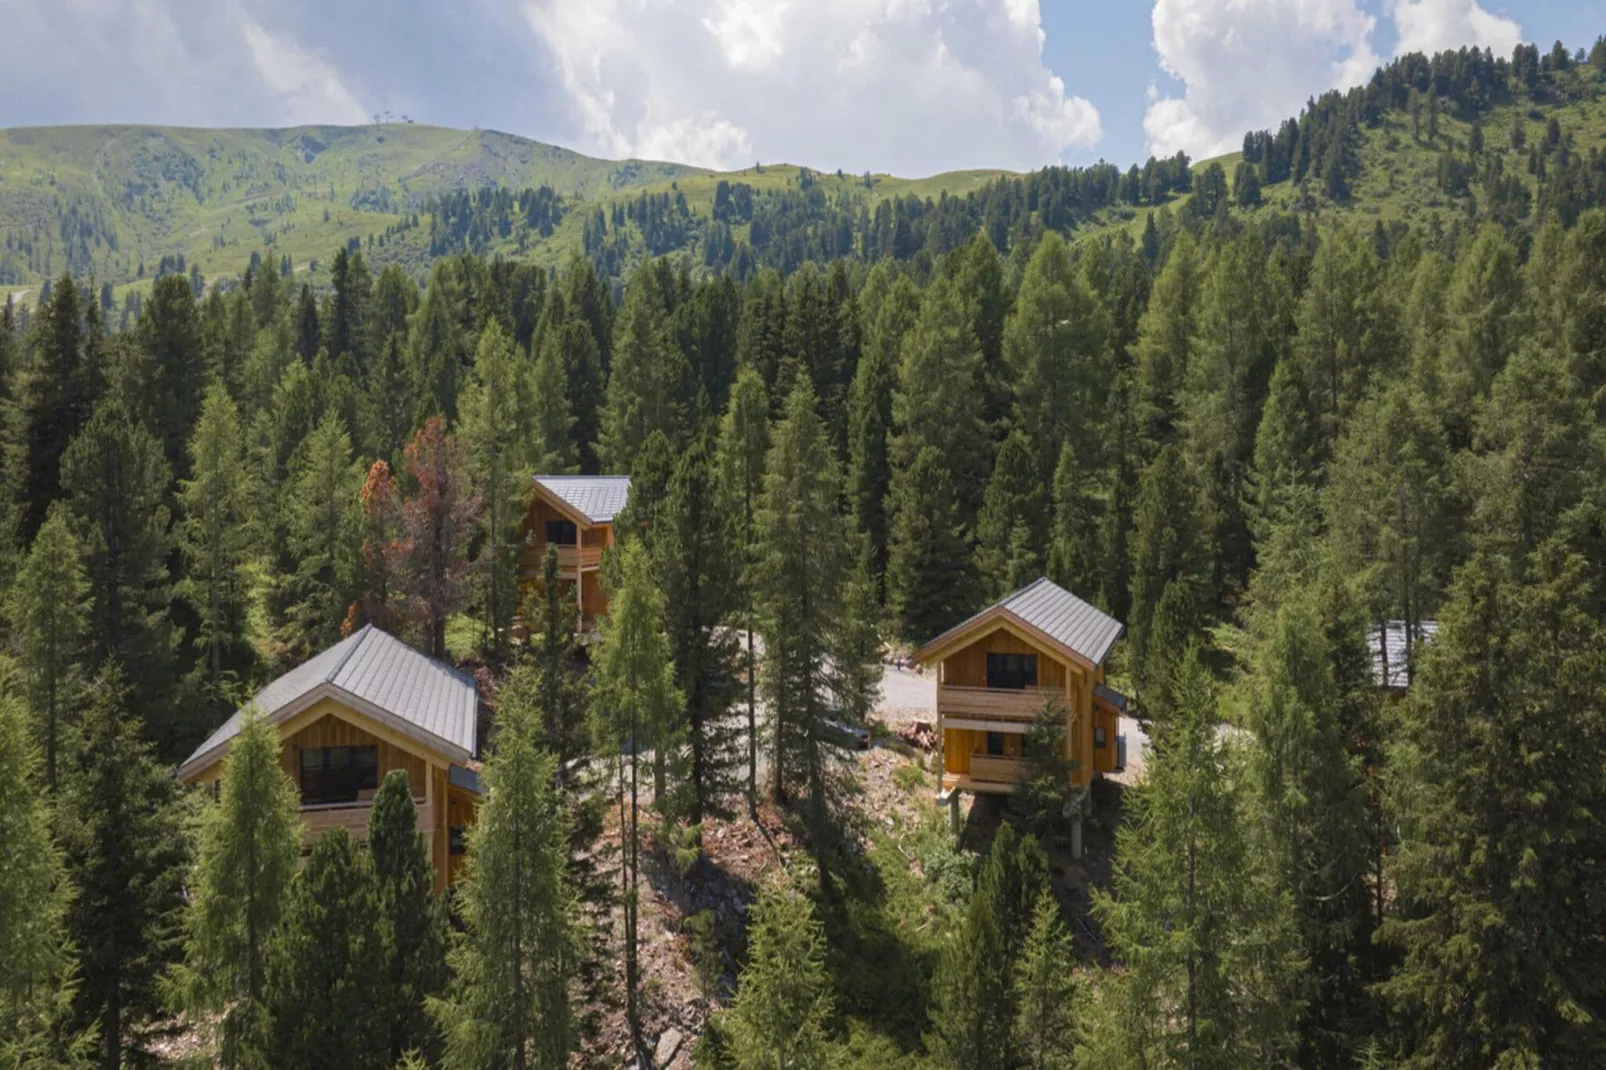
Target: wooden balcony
[[989, 705], [353, 817], [989, 775], [579, 558]]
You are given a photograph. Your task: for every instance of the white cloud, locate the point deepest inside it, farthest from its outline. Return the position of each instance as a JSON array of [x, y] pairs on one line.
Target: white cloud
[[911, 86], [309, 90], [1435, 25], [1249, 64]]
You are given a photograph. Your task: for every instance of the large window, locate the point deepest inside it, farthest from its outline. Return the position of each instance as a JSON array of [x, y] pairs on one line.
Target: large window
[[337, 774], [561, 533], [995, 744], [1011, 672]]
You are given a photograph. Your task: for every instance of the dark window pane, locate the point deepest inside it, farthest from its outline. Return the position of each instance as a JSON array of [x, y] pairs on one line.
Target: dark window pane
[[995, 744], [561, 532], [1011, 672]]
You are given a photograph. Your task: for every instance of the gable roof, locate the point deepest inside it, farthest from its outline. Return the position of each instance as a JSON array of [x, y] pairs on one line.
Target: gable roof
[[596, 498], [1391, 638], [1076, 627], [378, 675]]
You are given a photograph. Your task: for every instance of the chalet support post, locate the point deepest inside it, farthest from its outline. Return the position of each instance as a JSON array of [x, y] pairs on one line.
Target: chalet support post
[[953, 811], [1076, 810], [1076, 836]]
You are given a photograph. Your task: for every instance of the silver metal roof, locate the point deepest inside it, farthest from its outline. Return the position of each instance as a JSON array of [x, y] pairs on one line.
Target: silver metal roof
[[1052, 609], [598, 498], [424, 698], [1399, 652]]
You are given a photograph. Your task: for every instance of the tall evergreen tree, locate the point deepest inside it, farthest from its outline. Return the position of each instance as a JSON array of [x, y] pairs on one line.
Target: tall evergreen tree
[[1013, 527], [117, 482], [870, 419], [743, 444], [635, 707], [326, 965], [699, 581], [47, 608], [118, 826], [324, 520], [1073, 550], [249, 846], [1166, 343], [931, 579], [497, 471], [782, 1007], [169, 335], [1046, 991], [214, 538], [1205, 934], [60, 386], [552, 422], [647, 384], [414, 921], [1168, 549]]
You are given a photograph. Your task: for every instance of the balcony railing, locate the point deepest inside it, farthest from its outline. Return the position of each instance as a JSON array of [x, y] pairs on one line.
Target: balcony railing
[[353, 817], [579, 557], [993, 769], [990, 704]]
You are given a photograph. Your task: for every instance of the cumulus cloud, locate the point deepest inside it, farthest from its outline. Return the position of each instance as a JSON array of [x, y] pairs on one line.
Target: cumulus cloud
[[914, 86], [1435, 25], [196, 62], [1248, 64]]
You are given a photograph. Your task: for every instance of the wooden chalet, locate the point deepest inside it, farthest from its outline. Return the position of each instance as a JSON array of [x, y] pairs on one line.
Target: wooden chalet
[[347, 717], [575, 514], [1394, 651], [997, 671]]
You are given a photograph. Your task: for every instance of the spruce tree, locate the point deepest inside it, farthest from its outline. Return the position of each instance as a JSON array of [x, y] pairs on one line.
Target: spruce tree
[[797, 581], [699, 580], [649, 378], [35, 964], [118, 824], [1073, 535], [743, 443], [1046, 991], [60, 386], [414, 921], [47, 609], [248, 850], [560, 698], [1496, 774], [117, 483], [326, 965], [1015, 502], [1167, 550], [552, 423], [635, 707], [1205, 934], [782, 1008], [169, 338], [509, 1003], [1165, 344], [214, 539], [869, 464], [497, 472], [931, 581], [322, 513]]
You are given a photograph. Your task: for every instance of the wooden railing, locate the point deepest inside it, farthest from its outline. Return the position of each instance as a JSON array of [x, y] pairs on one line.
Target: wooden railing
[[573, 557], [353, 817], [989, 704], [994, 769]]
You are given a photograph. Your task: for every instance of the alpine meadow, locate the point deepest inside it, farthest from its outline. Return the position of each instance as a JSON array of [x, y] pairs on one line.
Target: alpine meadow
[[472, 605]]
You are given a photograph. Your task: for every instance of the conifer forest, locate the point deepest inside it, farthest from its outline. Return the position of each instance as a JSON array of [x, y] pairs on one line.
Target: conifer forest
[[1322, 424]]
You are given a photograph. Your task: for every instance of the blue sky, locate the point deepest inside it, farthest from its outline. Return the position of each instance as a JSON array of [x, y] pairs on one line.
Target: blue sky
[[908, 86]]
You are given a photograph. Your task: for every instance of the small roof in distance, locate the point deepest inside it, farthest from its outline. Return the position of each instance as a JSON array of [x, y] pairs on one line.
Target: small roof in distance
[[597, 498], [1392, 639], [1061, 616], [427, 699]]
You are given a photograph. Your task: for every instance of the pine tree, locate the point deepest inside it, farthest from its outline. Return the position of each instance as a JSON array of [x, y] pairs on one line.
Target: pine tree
[[1312, 794], [1015, 501], [560, 699], [1073, 550], [1165, 344], [552, 424], [743, 444], [436, 522], [214, 538], [326, 964], [496, 469], [976, 269], [389, 398], [1045, 991], [1057, 345], [1166, 550], [509, 1001], [699, 580], [60, 386], [414, 921], [118, 825], [974, 1006], [647, 384], [1205, 935], [117, 482], [47, 610], [308, 337], [169, 338], [324, 522], [438, 351], [635, 707], [782, 1008], [797, 582], [1496, 774], [869, 465], [249, 847], [35, 965], [931, 580]]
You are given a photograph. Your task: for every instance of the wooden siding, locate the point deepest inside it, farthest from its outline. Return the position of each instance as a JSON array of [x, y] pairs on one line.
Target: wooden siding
[[968, 667], [579, 564], [984, 704], [331, 730]]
